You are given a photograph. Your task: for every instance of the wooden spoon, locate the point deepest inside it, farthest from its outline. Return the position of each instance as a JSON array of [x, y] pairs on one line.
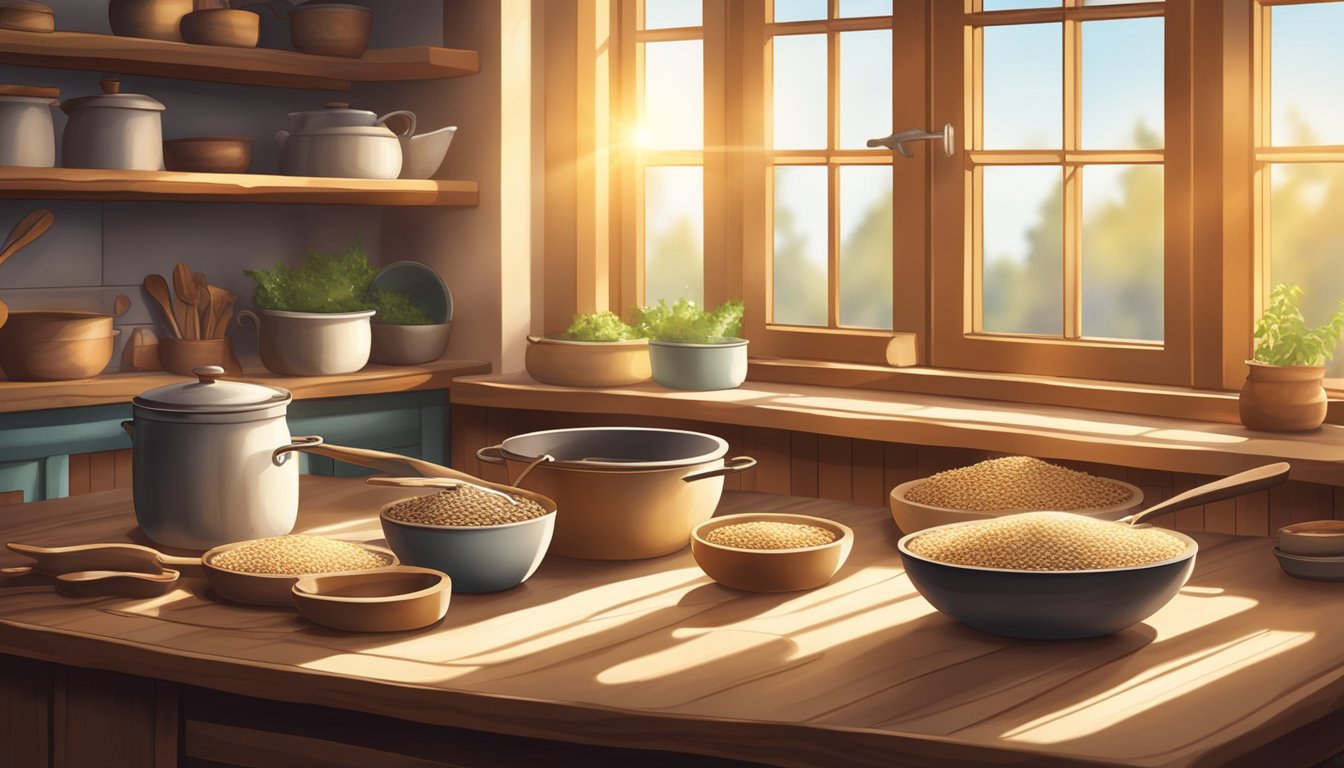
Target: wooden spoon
[[117, 583], [29, 228], [185, 286], [205, 315], [90, 557], [120, 305], [157, 287], [395, 464], [1242, 483], [221, 301]]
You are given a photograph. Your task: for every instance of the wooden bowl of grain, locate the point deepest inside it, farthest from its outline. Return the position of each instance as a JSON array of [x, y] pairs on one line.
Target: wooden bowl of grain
[[771, 552]]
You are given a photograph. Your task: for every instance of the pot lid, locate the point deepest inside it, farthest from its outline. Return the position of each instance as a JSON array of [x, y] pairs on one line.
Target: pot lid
[[347, 130], [114, 99], [210, 394]]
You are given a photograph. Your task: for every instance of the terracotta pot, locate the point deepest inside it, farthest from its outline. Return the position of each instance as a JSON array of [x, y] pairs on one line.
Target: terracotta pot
[[221, 26], [1283, 398], [587, 363], [158, 19]]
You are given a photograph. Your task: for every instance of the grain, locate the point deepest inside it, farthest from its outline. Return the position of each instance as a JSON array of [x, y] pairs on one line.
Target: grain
[[297, 555], [763, 534], [465, 506], [1017, 482], [1046, 541]]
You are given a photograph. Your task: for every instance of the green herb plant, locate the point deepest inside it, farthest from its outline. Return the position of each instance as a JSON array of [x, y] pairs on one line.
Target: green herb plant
[[333, 283], [1282, 336], [398, 309], [686, 323], [598, 326]]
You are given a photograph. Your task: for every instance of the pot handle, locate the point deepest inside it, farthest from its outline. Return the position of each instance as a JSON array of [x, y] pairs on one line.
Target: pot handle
[[734, 465], [281, 455], [250, 315], [406, 113], [282, 137], [129, 427], [194, 565], [493, 454]]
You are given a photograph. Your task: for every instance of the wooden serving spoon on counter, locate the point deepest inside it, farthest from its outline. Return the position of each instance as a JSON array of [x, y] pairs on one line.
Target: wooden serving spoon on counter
[[157, 287], [1240, 484], [29, 228]]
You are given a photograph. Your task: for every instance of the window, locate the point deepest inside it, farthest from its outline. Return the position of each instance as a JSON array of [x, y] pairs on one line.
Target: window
[[1300, 157]]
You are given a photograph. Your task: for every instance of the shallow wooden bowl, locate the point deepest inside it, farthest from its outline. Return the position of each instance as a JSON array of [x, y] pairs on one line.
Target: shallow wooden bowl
[[255, 588], [588, 363], [384, 600], [1317, 538], [42, 345], [222, 26], [209, 154], [1314, 568], [911, 516], [771, 570]]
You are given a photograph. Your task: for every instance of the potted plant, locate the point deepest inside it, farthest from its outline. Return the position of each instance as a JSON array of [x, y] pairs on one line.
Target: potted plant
[[596, 350], [1283, 390], [414, 314], [693, 348], [313, 320]]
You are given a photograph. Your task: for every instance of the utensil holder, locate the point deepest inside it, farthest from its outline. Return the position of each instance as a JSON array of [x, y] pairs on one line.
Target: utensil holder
[[181, 355]]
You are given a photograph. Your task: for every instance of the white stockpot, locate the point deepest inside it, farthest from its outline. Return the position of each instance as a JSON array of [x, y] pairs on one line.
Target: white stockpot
[[113, 130], [341, 142], [26, 134], [211, 462]]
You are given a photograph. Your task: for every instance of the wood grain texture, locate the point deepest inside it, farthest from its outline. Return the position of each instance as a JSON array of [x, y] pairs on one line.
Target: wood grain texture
[[122, 387], [1049, 432], [99, 184], [651, 654], [110, 721], [25, 711], [221, 64]]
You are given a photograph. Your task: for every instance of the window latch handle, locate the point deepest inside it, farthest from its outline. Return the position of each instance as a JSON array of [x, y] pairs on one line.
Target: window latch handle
[[897, 140]]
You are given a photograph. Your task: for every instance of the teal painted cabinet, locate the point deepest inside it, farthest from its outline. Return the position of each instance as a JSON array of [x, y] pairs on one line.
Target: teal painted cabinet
[[35, 446]]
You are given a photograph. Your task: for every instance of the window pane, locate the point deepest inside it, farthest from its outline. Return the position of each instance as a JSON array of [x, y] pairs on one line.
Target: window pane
[[674, 233], [1012, 5], [1023, 275], [1306, 230], [865, 87], [1023, 86], [800, 257], [799, 10], [1122, 252], [674, 95], [1307, 102], [668, 14], [1122, 84], [865, 246], [853, 8], [800, 92]]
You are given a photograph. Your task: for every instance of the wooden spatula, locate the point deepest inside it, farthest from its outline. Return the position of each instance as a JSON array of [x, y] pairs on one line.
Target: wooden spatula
[[29, 228], [185, 286]]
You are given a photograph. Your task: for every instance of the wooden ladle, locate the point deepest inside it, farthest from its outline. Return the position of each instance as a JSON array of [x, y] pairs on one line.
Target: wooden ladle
[[29, 228], [1240, 484]]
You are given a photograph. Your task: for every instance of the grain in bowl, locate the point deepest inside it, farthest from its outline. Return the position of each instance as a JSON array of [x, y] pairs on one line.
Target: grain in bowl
[[1017, 482], [765, 534], [466, 505], [297, 555]]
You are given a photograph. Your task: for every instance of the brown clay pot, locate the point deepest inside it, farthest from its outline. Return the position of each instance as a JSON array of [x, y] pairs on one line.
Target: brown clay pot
[[1283, 398], [157, 19]]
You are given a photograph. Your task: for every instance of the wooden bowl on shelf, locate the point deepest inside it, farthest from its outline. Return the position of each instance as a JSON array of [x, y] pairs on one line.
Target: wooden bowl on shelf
[[44, 345], [330, 29], [209, 154], [222, 26]]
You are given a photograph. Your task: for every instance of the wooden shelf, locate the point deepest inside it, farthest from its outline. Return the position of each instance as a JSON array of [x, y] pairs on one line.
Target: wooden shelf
[[222, 64], [99, 184], [1150, 442], [110, 389]]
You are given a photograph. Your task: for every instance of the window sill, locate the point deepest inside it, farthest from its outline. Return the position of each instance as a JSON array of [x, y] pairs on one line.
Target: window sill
[[1165, 442]]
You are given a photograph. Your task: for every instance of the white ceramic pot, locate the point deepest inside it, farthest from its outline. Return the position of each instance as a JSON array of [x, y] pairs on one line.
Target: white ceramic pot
[[311, 343], [343, 143], [113, 130], [210, 462], [423, 154], [26, 134]]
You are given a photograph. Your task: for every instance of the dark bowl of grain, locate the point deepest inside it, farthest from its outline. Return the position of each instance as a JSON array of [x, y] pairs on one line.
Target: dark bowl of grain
[[1048, 575], [771, 552], [486, 540]]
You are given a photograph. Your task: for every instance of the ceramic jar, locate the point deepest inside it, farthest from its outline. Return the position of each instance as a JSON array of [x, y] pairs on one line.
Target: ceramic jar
[[27, 137], [1282, 398], [113, 130], [211, 462], [342, 142], [312, 343]]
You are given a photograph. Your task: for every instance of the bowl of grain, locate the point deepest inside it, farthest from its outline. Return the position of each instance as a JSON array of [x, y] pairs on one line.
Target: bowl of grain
[[485, 539], [1047, 575], [1006, 486], [771, 552], [263, 571]]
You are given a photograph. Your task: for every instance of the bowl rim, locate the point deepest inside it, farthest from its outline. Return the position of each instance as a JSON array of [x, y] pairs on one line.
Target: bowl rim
[[1191, 549], [845, 533], [1134, 500], [1317, 559], [546, 503], [213, 552], [548, 340], [442, 581]]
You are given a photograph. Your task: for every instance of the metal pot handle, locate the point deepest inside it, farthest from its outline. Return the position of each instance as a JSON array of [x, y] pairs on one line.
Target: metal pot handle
[[281, 455], [129, 427], [492, 454], [734, 465]]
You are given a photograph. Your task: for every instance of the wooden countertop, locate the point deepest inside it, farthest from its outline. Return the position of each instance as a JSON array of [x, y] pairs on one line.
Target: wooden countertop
[[1045, 431], [1242, 668], [113, 388]]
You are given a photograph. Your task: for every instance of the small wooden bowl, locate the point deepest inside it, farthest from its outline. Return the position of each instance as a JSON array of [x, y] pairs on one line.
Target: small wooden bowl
[[209, 154], [222, 26], [1317, 538], [393, 599], [42, 345], [254, 588], [912, 516], [771, 570]]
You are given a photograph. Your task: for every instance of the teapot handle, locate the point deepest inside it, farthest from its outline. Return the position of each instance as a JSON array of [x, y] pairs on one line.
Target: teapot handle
[[406, 113]]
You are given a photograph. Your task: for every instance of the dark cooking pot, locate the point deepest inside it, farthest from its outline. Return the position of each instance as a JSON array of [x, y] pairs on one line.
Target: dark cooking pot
[[624, 493]]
